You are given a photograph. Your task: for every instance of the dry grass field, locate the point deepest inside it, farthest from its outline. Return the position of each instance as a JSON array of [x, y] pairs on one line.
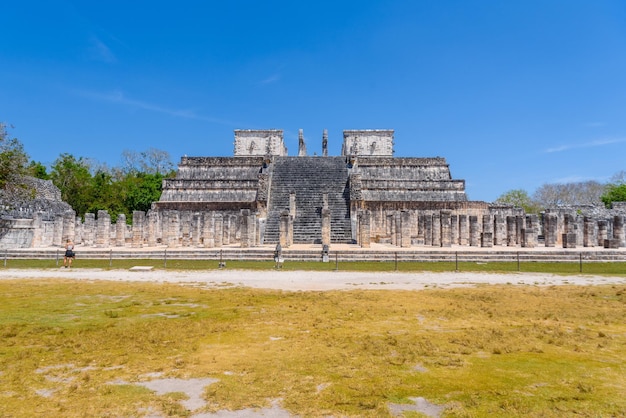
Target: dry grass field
[[82, 348]]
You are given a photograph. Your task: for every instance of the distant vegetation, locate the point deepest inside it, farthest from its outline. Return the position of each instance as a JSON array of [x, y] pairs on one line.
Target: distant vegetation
[[89, 186], [568, 194]]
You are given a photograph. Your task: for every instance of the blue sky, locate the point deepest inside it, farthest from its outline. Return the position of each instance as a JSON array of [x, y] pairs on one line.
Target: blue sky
[[514, 94]]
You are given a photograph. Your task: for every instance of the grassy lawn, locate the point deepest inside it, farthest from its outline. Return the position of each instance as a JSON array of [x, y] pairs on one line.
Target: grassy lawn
[[608, 268], [75, 349]]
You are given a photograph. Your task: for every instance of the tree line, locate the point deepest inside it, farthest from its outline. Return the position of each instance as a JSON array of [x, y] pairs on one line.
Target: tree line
[[568, 194], [85, 184]]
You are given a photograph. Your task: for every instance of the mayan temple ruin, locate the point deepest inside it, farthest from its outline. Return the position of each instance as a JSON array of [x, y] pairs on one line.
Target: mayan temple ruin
[[261, 196]]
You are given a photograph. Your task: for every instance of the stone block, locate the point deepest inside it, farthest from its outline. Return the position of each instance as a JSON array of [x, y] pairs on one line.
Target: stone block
[[612, 243], [569, 240]]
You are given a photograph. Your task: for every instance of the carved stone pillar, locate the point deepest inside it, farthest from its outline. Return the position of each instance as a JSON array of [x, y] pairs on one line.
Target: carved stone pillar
[[218, 230], [364, 228], [89, 229], [463, 230], [454, 229], [603, 232], [151, 228], [446, 228], [550, 223], [511, 231], [244, 226], [618, 230], [486, 238], [326, 226], [428, 229], [474, 231], [436, 229], [590, 235], [103, 229], [120, 230], [138, 230], [405, 229]]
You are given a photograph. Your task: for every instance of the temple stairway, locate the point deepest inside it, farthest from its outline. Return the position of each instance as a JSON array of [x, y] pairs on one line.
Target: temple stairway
[[309, 178]]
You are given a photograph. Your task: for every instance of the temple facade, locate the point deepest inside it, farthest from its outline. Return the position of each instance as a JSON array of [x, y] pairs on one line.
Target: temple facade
[[263, 196]]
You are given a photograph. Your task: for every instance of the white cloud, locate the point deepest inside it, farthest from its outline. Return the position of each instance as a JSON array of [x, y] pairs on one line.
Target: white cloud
[[99, 51], [591, 144], [271, 79], [119, 97]]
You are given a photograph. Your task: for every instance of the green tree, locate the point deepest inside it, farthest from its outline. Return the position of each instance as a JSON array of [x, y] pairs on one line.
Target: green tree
[[73, 178], [614, 193], [519, 198], [142, 189], [13, 159], [38, 170]]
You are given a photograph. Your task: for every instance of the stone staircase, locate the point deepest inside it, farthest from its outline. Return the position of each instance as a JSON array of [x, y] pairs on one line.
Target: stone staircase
[[309, 178]]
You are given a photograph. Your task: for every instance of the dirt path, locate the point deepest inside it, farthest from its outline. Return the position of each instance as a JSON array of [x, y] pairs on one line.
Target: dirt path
[[313, 280]]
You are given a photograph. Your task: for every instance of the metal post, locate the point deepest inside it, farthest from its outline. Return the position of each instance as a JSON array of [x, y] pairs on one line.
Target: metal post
[[336, 261], [396, 257], [165, 258], [456, 260], [581, 262], [6, 254], [57, 257], [518, 261], [111, 258]]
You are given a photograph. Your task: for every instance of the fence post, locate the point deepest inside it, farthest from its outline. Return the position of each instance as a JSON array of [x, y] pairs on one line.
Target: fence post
[[518, 261], [336, 261], [111, 257], [6, 254], [581, 262], [57, 257], [396, 257], [165, 258], [456, 261]]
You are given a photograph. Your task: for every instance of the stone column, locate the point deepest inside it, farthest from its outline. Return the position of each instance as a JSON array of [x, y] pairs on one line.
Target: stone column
[[185, 223], [511, 229], [208, 230], [120, 229], [618, 230], [326, 227], [499, 230], [89, 229], [364, 228], [244, 225], [218, 230], [454, 229], [234, 228], [463, 230], [590, 236], [37, 229], [569, 236], [292, 204], [428, 229], [603, 232], [284, 235], [405, 229], [139, 220], [172, 228], [446, 228], [436, 230], [196, 229], [151, 228], [420, 228], [69, 217], [519, 225], [226, 230], [529, 234], [103, 229], [398, 223], [486, 238], [474, 231], [550, 229]]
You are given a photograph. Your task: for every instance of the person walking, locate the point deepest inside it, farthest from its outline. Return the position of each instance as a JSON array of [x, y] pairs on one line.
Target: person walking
[[69, 254]]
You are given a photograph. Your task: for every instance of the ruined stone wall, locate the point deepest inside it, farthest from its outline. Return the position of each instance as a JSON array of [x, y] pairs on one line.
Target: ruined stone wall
[[250, 142], [374, 142]]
